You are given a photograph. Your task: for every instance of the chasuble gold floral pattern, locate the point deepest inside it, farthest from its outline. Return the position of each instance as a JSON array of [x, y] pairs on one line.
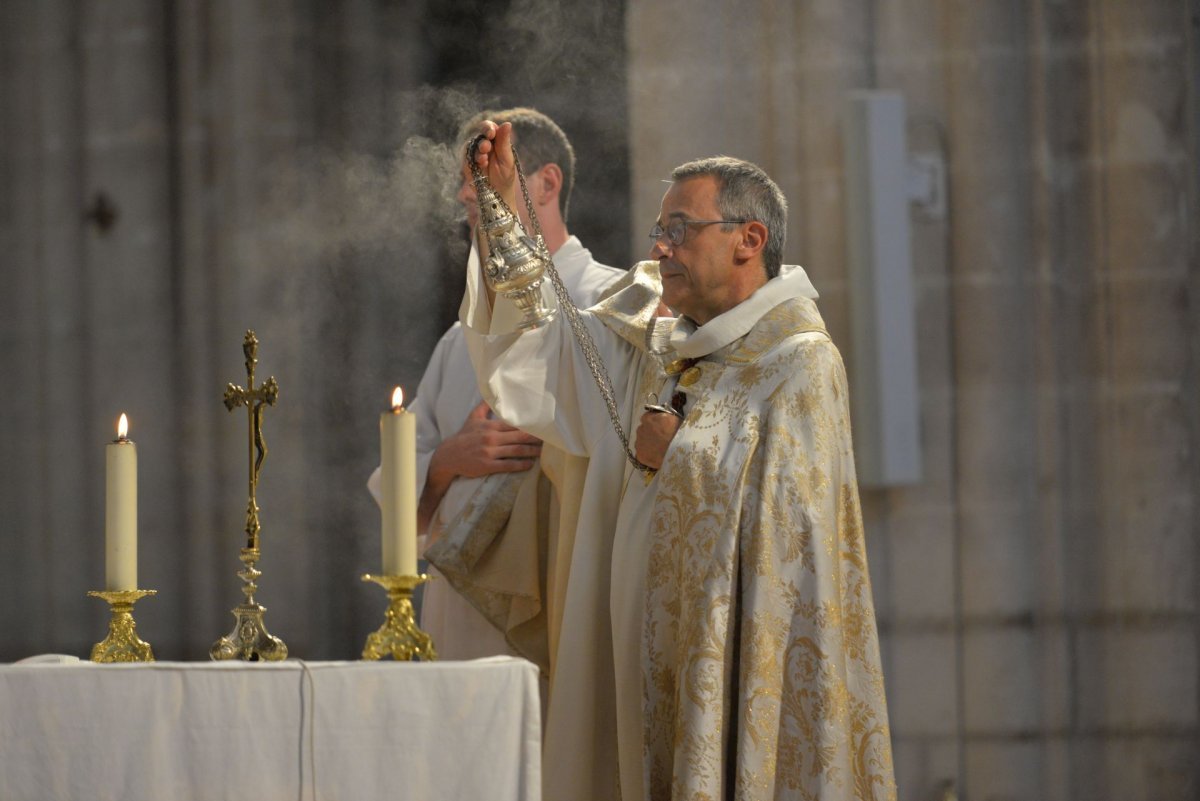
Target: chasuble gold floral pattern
[[761, 674]]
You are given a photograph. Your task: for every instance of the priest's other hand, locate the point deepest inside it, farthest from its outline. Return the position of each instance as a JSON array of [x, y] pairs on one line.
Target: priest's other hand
[[654, 435], [485, 445]]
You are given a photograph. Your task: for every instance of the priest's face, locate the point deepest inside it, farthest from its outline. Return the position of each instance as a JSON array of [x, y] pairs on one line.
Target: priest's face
[[697, 273]]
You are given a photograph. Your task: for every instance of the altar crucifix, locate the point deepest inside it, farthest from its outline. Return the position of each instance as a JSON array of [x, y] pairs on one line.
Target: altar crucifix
[[249, 639], [254, 400]]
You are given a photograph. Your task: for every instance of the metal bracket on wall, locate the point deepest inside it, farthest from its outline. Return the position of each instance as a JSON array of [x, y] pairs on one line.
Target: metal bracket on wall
[[927, 185]]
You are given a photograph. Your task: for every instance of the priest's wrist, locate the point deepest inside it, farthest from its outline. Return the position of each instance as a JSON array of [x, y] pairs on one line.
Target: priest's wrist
[[437, 482]]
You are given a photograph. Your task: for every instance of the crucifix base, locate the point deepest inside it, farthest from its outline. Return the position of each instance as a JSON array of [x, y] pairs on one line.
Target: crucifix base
[[249, 641]]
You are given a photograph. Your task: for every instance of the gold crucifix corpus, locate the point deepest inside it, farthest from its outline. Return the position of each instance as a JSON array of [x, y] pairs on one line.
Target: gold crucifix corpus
[[253, 399]]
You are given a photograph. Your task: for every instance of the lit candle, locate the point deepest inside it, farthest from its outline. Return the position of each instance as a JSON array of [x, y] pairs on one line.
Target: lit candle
[[120, 511], [398, 474]]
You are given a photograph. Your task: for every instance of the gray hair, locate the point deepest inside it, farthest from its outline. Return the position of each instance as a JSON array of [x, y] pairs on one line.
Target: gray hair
[[539, 141], [745, 192]]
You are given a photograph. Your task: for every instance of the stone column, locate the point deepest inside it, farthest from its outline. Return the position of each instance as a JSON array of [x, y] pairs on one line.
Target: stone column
[[987, 116], [49, 422], [914, 530], [1134, 591]]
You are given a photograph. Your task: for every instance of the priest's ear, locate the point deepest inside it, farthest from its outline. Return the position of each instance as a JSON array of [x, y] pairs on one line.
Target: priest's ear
[[550, 185], [754, 239]]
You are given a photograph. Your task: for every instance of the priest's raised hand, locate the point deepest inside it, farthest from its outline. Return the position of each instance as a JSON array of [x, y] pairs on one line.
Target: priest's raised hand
[[493, 154]]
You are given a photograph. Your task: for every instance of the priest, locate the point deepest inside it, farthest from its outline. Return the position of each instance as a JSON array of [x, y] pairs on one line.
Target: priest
[[718, 592], [480, 478]]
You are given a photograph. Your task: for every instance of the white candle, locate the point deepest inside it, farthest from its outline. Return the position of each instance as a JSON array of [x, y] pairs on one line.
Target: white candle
[[398, 474], [120, 511]]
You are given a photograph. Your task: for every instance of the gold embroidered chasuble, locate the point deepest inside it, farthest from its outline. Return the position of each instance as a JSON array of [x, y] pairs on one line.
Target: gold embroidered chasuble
[[744, 653], [762, 677]]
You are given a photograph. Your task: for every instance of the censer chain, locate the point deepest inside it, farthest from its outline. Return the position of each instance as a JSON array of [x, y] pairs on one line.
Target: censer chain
[[583, 337]]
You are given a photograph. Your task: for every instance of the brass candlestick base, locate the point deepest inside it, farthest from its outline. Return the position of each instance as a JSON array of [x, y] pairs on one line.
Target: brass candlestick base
[[399, 636], [122, 643], [249, 641]]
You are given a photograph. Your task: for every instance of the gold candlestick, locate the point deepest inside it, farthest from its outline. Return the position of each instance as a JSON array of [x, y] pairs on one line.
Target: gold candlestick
[[399, 636], [249, 639], [122, 643]]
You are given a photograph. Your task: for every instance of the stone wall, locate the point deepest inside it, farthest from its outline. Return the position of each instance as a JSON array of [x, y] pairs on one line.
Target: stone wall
[[1037, 591], [174, 173]]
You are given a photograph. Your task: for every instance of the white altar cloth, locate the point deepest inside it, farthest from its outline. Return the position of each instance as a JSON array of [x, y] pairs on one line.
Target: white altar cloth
[[291, 730]]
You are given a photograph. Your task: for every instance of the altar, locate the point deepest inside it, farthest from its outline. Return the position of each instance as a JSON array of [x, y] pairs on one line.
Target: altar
[[283, 730]]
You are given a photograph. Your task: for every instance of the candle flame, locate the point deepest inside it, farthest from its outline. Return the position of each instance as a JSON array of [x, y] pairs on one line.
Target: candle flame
[[123, 427], [397, 398]]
